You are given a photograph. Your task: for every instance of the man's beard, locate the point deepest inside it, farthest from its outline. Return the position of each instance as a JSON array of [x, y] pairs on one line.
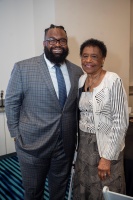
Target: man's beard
[[59, 58]]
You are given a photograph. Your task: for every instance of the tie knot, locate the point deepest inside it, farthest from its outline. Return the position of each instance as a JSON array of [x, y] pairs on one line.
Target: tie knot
[[57, 66]]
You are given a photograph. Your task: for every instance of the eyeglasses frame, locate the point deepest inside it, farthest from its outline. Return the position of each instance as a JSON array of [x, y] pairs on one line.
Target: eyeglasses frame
[[56, 40]]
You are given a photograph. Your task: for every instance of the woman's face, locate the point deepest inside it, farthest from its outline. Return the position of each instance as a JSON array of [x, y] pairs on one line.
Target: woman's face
[[91, 59]]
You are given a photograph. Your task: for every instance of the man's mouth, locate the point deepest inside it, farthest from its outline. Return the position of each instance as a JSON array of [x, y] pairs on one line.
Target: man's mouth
[[57, 50]]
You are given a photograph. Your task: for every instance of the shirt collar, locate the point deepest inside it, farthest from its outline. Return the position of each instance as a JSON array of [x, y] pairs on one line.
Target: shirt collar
[[50, 64]]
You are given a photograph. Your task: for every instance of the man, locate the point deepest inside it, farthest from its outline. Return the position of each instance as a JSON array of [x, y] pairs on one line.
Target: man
[[41, 116]]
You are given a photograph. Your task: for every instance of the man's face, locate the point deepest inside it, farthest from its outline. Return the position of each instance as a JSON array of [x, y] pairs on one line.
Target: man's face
[[56, 51]]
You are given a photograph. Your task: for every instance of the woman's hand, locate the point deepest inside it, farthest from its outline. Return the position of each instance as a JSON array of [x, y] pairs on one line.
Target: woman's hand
[[104, 168]]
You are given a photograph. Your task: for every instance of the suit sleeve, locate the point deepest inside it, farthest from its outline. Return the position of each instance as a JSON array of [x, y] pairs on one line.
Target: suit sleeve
[[13, 101]]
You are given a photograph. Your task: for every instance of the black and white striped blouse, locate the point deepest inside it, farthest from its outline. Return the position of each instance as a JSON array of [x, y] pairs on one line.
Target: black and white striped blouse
[[110, 110]]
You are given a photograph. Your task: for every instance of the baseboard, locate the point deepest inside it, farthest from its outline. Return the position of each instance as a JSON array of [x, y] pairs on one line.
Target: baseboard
[[8, 155]]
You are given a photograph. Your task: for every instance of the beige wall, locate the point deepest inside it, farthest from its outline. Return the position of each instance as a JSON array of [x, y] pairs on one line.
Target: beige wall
[[102, 19], [131, 56], [131, 44]]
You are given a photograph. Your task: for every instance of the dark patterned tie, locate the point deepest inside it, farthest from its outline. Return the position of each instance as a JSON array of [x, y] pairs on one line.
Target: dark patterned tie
[[61, 85]]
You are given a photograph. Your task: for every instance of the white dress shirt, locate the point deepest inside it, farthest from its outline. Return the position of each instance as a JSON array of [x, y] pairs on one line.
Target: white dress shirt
[[52, 72]]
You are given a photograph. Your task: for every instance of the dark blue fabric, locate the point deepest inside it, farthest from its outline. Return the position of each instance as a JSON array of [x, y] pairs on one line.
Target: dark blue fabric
[[61, 86], [11, 180]]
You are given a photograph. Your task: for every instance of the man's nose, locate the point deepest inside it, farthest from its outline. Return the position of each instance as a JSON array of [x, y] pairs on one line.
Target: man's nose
[[58, 43]]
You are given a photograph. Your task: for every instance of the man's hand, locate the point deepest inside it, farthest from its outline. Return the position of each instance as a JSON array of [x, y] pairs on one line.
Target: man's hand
[[104, 168]]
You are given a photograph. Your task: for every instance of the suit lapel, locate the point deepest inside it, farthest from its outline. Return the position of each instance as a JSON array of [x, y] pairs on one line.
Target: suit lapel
[[47, 79], [42, 66], [71, 76]]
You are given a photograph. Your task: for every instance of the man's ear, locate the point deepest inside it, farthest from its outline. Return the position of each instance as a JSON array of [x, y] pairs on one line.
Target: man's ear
[[44, 43]]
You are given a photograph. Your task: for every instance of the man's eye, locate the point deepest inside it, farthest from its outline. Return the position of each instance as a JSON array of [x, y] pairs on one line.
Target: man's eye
[[53, 40], [62, 40]]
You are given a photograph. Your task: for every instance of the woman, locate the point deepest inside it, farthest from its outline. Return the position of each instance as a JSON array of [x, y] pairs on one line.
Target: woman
[[103, 122]]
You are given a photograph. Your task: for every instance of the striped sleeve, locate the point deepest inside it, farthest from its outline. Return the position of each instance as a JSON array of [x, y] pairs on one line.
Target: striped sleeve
[[119, 108]]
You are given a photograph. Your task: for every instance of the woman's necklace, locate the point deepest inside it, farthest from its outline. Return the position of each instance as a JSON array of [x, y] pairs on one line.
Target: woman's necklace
[[91, 81]]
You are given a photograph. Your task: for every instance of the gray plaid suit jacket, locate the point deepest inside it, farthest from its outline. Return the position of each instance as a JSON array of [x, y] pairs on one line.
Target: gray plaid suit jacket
[[33, 112]]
